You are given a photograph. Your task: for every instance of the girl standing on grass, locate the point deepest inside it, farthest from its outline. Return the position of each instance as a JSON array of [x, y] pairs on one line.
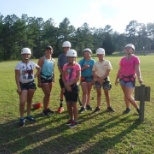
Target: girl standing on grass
[[129, 67], [62, 59], [86, 79], [70, 76], [101, 70], [24, 76], [46, 78]]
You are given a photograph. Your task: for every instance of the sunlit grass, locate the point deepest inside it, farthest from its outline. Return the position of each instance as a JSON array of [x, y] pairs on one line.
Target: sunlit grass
[[98, 133]]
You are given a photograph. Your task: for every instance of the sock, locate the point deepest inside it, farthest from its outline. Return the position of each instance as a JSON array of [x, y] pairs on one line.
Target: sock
[[61, 103]]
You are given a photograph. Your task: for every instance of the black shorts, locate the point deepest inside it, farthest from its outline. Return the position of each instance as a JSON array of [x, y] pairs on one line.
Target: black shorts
[[72, 96], [61, 83], [46, 80], [27, 86]]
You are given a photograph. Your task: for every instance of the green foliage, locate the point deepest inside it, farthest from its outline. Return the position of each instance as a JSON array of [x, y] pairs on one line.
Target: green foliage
[[102, 133], [35, 33], [108, 45]]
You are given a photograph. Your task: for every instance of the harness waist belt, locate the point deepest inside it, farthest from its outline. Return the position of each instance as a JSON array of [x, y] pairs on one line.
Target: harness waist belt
[[87, 77], [130, 76], [46, 77], [28, 82]]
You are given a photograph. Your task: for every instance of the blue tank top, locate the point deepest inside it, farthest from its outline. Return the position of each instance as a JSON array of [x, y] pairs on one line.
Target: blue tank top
[[87, 72], [47, 68]]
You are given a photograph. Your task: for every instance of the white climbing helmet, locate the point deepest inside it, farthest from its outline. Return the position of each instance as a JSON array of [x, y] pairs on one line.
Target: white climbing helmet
[[100, 51], [26, 51], [87, 49], [66, 44], [71, 53], [131, 46]]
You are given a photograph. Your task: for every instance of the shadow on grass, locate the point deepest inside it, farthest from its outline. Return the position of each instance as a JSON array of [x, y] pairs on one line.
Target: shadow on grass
[[14, 138], [70, 143], [52, 136], [107, 143]]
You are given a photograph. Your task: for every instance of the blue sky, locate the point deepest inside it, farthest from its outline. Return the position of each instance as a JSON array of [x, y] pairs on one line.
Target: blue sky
[[97, 13]]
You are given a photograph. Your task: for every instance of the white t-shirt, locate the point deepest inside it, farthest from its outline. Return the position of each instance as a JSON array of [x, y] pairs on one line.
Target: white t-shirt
[[26, 71], [100, 68]]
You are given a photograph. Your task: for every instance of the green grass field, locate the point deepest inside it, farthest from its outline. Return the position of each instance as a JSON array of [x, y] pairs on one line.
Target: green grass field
[[101, 133]]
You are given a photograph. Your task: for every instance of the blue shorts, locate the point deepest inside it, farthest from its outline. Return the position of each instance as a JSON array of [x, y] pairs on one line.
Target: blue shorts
[[86, 79], [129, 84], [106, 85]]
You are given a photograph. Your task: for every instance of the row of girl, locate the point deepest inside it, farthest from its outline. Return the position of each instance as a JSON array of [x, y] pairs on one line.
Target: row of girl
[[88, 71]]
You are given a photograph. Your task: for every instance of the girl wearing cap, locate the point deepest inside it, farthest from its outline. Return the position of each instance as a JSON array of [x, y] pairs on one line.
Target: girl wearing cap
[[86, 79], [24, 76], [70, 76], [129, 67], [46, 77], [101, 70]]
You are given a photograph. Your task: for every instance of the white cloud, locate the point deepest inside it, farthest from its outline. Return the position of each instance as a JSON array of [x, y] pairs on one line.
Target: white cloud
[[97, 13], [117, 13]]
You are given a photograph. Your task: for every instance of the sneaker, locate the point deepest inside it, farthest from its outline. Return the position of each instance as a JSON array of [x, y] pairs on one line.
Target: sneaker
[[97, 109], [45, 113], [30, 118], [82, 110], [110, 109], [126, 111], [60, 110], [69, 122], [88, 107], [138, 110], [49, 111], [22, 122], [73, 124]]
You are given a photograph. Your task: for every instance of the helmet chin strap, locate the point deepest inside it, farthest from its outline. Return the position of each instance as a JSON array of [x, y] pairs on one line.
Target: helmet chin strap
[[26, 60]]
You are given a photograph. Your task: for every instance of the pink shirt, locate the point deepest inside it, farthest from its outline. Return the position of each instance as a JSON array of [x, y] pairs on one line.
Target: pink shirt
[[70, 72], [128, 66]]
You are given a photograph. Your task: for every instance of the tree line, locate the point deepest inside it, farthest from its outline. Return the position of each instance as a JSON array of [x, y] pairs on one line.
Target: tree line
[[35, 33]]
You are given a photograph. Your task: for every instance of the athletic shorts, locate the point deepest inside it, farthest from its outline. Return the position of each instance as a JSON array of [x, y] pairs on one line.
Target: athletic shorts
[[46, 80], [106, 85], [61, 82], [27, 86], [72, 96], [129, 84], [86, 79]]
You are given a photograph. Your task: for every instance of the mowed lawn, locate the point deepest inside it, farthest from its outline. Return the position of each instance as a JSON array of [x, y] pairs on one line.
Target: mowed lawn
[[100, 133]]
